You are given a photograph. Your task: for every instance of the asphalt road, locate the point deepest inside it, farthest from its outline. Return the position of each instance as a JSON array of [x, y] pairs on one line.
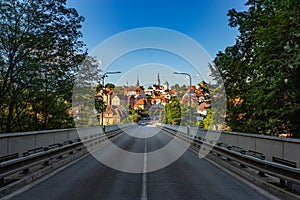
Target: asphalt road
[[186, 178]]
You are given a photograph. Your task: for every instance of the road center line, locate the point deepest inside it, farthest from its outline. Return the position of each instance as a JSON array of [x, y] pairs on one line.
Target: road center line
[[144, 177]]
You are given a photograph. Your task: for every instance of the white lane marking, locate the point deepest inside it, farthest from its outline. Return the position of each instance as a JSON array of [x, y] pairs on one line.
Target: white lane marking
[[144, 177]]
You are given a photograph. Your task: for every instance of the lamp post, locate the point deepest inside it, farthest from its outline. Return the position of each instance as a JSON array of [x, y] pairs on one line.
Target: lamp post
[[190, 95], [103, 77]]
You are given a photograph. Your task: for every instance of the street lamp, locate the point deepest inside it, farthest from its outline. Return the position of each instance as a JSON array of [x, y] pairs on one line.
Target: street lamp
[[103, 77], [190, 94]]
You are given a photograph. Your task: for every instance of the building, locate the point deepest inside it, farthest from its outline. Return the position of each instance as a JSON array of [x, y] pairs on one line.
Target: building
[[202, 108], [115, 107], [159, 100], [119, 99], [160, 94], [186, 100], [114, 114], [142, 104], [133, 90]]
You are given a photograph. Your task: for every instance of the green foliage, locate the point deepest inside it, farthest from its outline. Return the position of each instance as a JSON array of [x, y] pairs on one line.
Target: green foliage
[[119, 89], [99, 87], [100, 105], [181, 90], [40, 52], [261, 72], [85, 95], [133, 116], [173, 112], [185, 115], [110, 86], [207, 122]]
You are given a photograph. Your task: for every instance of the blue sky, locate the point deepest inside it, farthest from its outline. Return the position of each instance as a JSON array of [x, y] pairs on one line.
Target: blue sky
[[204, 21]]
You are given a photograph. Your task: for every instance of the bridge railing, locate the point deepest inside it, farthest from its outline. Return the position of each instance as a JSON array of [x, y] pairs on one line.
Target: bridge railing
[[18, 143], [43, 160], [284, 171], [272, 148]]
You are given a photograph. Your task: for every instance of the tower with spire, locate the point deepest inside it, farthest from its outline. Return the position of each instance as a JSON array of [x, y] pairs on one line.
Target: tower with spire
[[137, 81], [166, 85], [158, 80]]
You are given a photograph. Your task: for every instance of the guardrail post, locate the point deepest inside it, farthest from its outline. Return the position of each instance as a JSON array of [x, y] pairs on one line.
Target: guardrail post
[[243, 166], [282, 182], [25, 171], [103, 129], [262, 174], [289, 185], [46, 163]]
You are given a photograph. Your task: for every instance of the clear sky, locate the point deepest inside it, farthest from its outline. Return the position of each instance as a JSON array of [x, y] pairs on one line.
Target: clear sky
[[204, 21]]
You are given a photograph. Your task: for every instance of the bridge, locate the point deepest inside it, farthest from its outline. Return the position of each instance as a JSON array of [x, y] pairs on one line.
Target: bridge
[[147, 162]]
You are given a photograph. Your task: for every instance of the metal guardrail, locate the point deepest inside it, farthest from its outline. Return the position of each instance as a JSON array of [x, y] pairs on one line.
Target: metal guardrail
[[9, 157], [281, 171], [44, 155], [24, 163]]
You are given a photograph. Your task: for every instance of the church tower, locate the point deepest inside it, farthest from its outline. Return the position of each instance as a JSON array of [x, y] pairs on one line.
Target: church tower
[[166, 86], [137, 81], [158, 80]]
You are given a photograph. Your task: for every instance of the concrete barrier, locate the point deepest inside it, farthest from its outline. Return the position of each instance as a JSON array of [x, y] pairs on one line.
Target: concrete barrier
[[284, 148], [21, 142], [11, 143]]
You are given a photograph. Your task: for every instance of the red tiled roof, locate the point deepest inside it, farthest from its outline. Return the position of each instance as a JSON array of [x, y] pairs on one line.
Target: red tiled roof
[[141, 102]]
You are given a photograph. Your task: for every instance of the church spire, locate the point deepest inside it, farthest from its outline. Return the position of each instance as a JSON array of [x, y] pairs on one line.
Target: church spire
[[158, 80], [137, 81]]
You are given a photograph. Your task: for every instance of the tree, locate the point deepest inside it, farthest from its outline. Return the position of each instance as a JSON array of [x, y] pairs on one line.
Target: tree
[[99, 101], [40, 50], [181, 90], [87, 94], [133, 116], [261, 72], [173, 112], [110, 86], [119, 89], [136, 117], [185, 115], [207, 121]]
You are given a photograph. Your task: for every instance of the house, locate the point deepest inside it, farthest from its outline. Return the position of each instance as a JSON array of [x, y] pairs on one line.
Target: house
[[186, 100], [133, 90], [142, 104], [157, 90], [119, 99], [159, 100], [115, 107], [114, 114], [131, 101], [203, 89], [193, 87], [173, 92], [106, 97], [202, 108]]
